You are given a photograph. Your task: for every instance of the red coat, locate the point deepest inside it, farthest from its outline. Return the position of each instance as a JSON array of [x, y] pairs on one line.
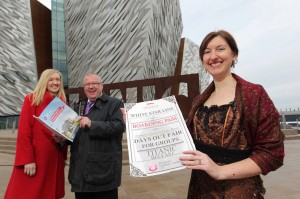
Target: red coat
[[36, 144]]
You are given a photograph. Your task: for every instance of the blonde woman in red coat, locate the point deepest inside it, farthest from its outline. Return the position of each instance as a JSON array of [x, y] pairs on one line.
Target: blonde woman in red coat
[[39, 163]]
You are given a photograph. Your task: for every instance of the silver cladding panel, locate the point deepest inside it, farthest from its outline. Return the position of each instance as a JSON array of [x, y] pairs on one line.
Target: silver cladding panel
[[122, 40], [191, 64], [17, 55]]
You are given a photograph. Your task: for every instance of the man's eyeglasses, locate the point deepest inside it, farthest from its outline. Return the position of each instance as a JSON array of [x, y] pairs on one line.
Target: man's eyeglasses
[[93, 84]]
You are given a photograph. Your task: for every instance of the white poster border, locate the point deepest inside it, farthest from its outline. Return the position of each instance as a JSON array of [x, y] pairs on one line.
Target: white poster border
[[159, 120]]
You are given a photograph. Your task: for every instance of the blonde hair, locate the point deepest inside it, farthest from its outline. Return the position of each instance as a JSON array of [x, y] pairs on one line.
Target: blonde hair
[[41, 87]]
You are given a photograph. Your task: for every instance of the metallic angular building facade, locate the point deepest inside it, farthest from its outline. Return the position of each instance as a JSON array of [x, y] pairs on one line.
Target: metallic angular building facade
[[122, 40], [191, 64], [18, 72]]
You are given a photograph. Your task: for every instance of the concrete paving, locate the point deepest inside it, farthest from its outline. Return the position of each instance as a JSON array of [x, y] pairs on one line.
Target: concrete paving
[[283, 183]]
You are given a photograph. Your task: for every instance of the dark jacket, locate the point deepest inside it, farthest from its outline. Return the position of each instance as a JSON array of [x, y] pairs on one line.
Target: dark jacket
[[96, 153]]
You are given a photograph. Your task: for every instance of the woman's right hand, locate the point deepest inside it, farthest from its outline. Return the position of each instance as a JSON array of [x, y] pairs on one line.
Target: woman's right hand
[[58, 139], [124, 114], [197, 160], [30, 169]]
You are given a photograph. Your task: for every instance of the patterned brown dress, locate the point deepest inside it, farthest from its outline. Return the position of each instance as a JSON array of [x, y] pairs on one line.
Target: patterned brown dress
[[219, 136]]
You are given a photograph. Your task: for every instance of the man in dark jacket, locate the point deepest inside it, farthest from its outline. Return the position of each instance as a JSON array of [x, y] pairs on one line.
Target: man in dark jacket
[[96, 153]]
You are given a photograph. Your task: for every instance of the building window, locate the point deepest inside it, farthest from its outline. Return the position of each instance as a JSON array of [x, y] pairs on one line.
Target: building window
[[59, 39], [9, 78], [23, 76]]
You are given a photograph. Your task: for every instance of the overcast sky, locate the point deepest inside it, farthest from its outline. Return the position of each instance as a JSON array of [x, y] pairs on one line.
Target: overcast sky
[[267, 33], [47, 3], [268, 36]]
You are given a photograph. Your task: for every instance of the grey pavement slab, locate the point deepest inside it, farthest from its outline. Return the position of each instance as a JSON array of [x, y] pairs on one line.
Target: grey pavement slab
[[283, 183]]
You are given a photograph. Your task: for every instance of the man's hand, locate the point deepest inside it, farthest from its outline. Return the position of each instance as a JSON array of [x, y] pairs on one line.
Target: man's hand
[[85, 122]]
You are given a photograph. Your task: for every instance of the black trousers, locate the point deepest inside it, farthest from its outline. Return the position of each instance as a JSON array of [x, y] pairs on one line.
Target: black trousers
[[111, 194]]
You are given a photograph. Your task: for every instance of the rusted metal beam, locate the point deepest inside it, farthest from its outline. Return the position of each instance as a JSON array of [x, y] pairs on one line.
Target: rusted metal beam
[[161, 85]]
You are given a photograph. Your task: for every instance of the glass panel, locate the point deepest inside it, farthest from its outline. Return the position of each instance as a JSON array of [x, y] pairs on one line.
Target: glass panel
[[54, 54], [60, 16], [53, 14], [60, 26], [62, 66], [54, 25], [54, 36], [53, 5], [60, 8], [61, 37], [54, 63], [65, 79], [10, 122], [61, 56], [61, 47], [54, 45]]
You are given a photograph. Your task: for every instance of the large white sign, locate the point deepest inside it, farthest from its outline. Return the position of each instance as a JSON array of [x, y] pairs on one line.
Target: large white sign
[[157, 135]]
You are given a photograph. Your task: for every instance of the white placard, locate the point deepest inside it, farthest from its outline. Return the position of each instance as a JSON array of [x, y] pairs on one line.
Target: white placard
[[157, 135]]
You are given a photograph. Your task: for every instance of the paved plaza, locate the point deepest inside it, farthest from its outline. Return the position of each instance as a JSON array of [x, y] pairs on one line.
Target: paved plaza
[[283, 183]]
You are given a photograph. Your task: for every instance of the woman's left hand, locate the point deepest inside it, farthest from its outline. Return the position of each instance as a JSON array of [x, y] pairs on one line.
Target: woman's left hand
[[197, 160]]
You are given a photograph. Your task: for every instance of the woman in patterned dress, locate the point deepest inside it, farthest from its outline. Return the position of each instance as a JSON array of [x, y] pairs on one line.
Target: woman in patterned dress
[[235, 127]]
